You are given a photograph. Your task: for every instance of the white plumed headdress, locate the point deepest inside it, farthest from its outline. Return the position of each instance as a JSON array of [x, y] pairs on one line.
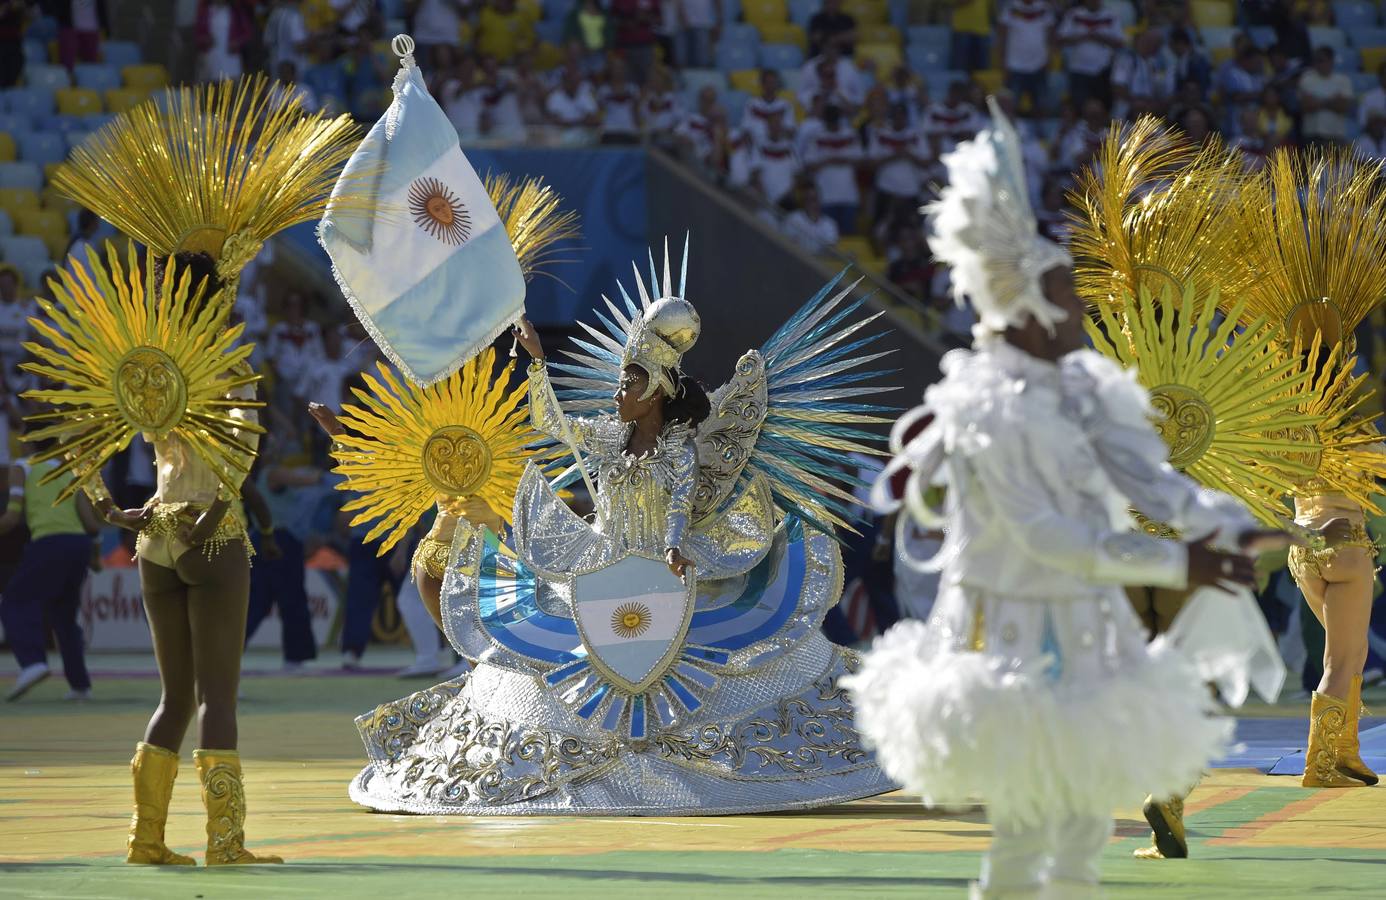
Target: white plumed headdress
[[984, 229]]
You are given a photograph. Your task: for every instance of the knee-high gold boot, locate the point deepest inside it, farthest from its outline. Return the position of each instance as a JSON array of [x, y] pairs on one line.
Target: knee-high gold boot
[[224, 796], [1166, 818], [1328, 717], [1350, 744], [153, 770]]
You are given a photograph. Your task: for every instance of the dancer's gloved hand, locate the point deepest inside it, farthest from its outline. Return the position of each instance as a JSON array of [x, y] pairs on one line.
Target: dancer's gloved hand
[[1214, 568], [199, 530], [130, 519], [528, 338]]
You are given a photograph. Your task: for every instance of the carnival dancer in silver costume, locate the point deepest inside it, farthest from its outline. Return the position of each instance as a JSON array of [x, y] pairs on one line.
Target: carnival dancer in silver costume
[[666, 659], [1031, 687]]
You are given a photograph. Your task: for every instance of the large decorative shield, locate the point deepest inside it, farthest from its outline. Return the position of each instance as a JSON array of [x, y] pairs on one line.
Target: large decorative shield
[[632, 617]]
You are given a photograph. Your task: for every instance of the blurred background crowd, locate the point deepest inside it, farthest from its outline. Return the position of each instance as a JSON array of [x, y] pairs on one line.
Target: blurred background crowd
[[825, 118]]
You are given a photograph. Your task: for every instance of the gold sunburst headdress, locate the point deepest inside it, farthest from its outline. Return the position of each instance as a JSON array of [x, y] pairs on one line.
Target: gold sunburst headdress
[[407, 447], [136, 352], [1228, 402], [1151, 213], [217, 168], [534, 220]]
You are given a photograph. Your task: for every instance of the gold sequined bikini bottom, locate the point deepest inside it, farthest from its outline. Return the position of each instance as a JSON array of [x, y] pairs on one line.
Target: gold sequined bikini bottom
[[1305, 562]]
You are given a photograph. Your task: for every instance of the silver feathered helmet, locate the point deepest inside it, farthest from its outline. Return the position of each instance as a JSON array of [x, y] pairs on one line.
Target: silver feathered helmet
[[984, 229], [667, 329]]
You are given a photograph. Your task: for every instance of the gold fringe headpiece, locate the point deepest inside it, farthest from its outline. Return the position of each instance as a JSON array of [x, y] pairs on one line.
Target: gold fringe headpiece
[[137, 354], [1152, 213], [217, 168], [1311, 244], [535, 223]]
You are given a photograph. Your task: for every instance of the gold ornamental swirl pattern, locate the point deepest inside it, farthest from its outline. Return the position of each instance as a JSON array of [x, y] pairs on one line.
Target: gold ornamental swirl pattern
[[726, 439], [456, 461], [150, 391], [1186, 423], [1308, 450]]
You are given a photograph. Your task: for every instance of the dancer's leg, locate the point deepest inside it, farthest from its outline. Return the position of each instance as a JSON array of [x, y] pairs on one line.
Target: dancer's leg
[[1347, 612], [1017, 859], [166, 609], [218, 595]]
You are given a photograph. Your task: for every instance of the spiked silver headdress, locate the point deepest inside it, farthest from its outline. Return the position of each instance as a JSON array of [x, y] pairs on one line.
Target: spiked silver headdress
[[668, 328]]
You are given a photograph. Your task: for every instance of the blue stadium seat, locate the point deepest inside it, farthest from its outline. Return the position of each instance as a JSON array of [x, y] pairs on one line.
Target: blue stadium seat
[[800, 11], [35, 52], [938, 82], [781, 56], [41, 147], [1348, 60], [42, 75], [1327, 36], [121, 54], [1351, 15], [6, 226], [926, 59], [75, 138], [732, 56], [28, 254], [731, 11], [44, 28], [550, 31], [1262, 36], [694, 80], [734, 102], [790, 78], [557, 10], [98, 76], [28, 101], [938, 37], [899, 14], [1216, 36], [1363, 82], [1368, 36], [13, 123], [740, 33], [21, 175]]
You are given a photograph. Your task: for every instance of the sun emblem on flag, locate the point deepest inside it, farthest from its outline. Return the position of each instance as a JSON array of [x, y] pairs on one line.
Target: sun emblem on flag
[[630, 620], [437, 210]]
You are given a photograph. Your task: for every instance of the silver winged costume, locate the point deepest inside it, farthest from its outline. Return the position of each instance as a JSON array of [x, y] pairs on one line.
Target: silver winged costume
[[602, 684]]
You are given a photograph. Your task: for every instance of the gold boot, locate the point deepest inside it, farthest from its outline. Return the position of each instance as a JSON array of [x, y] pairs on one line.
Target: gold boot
[[224, 796], [1166, 820], [1350, 744], [1328, 716], [153, 770]]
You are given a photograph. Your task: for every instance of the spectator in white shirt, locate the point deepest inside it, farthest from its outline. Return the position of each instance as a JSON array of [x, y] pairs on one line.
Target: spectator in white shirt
[[808, 226], [1371, 143], [700, 132], [905, 87], [899, 154], [1026, 31], [572, 106], [1090, 35], [835, 77], [1325, 100], [741, 148], [1241, 84], [502, 116], [619, 102], [954, 119], [1142, 78], [660, 110], [461, 98], [1373, 102], [756, 116], [288, 77], [1078, 144], [286, 36], [326, 379], [775, 166], [437, 22], [14, 318], [831, 157], [294, 346], [698, 22]]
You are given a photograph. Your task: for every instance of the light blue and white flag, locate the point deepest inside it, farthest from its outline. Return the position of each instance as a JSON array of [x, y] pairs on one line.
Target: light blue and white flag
[[425, 262]]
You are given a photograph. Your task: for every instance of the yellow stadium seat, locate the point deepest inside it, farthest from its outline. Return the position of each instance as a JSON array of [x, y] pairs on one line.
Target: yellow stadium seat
[[149, 76], [56, 201], [879, 34], [764, 11], [532, 10], [860, 249], [782, 33], [1213, 13], [991, 79], [886, 57], [1372, 58], [47, 225], [78, 102], [318, 15], [49, 170], [867, 12], [747, 80], [16, 200], [119, 100], [547, 56], [1220, 55], [7, 148]]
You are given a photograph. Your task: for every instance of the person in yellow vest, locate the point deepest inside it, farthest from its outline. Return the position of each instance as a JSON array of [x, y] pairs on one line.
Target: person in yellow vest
[[47, 586]]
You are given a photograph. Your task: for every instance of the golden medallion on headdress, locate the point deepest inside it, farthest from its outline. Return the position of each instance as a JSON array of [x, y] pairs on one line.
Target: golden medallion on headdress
[[456, 460], [437, 210], [150, 392], [1308, 446], [1186, 423]]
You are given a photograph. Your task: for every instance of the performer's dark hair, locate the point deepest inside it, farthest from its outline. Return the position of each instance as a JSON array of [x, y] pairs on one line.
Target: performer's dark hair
[[689, 403], [200, 265]]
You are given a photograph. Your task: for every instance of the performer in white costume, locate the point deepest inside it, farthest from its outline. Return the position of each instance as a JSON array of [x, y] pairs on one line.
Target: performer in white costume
[[1031, 687]]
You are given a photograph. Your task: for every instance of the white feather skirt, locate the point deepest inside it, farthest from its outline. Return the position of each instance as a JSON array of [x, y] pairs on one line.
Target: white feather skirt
[[1064, 711]]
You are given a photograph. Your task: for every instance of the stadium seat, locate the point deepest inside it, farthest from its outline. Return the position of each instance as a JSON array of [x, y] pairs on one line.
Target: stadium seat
[[731, 10], [15, 200], [885, 57], [1213, 13], [42, 75], [98, 77], [21, 175], [532, 10], [8, 151], [694, 80], [867, 12], [28, 101], [781, 56], [990, 79], [783, 33], [28, 254], [937, 82], [1327, 36], [120, 53], [800, 11], [1125, 11], [74, 139], [1351, 15], [747, 80], [56, 200], [121, 99], [1262, 36], [14, 124], [1219, 55], [36, 52], [1363, 82], [859, 249], [1348, 60], [42, 147], [149, 76], [764, 11], [926, 59], [1367, 36], [1372, 58], [6, 224], [48, 226], [937, 36], [550, 32], [879, 34], [1218, 36], [78, 102], [734, 102], [899, 13], [740, 33], [791, 78], [733, 56]]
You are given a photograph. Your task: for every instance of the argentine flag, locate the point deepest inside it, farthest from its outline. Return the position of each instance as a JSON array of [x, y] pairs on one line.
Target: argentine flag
[[424, 261]]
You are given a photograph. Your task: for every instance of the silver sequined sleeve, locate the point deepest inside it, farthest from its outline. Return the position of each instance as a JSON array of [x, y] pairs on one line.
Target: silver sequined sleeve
[[682, 476], [547, 416]]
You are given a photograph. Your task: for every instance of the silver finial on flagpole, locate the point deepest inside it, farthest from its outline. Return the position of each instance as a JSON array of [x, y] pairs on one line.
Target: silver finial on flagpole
[[403, 45]]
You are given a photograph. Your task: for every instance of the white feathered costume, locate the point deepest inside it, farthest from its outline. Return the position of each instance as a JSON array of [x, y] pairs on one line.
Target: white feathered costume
[[1031, 687]]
